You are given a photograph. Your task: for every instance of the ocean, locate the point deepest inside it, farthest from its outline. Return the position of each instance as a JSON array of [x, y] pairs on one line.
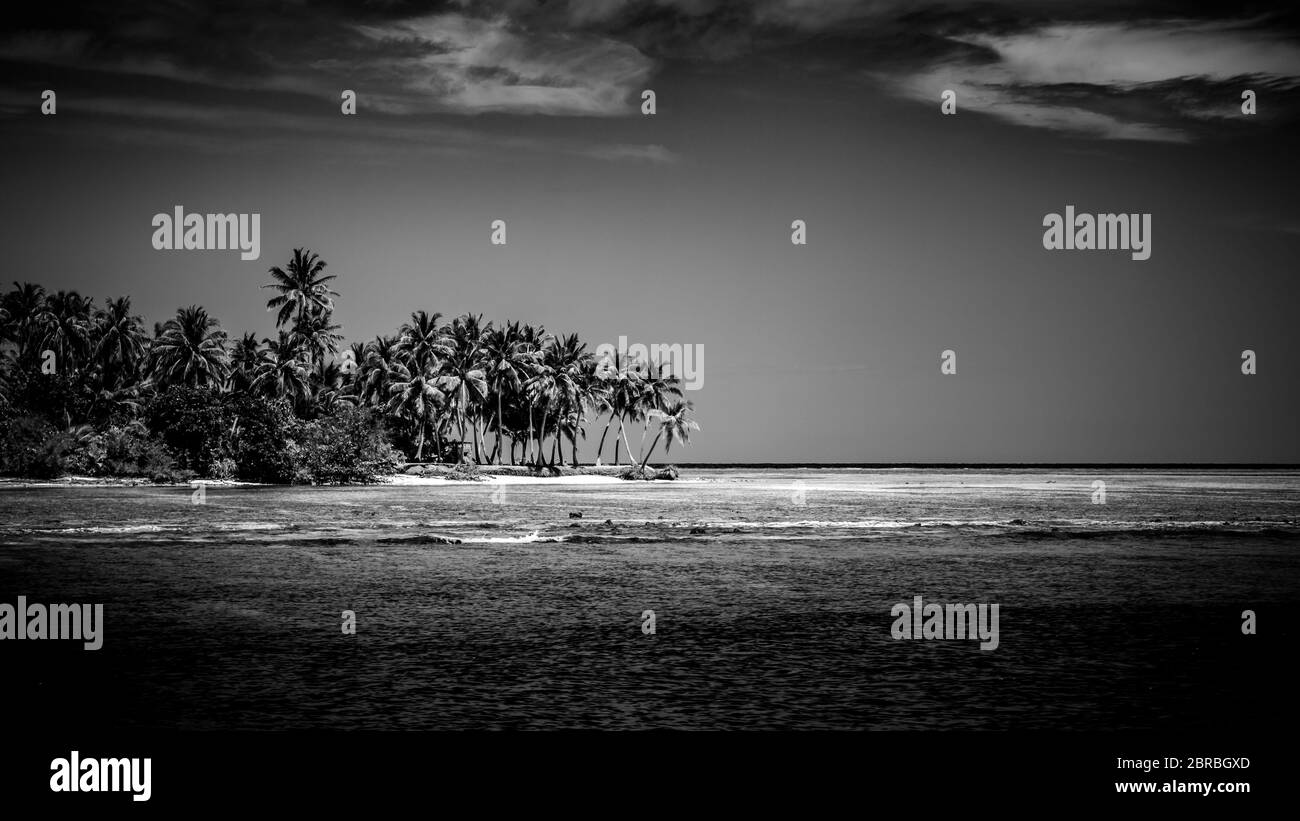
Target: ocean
[[495, 607]]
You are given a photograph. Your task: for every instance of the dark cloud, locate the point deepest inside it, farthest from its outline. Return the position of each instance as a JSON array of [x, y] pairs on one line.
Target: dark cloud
[[1152, 71]]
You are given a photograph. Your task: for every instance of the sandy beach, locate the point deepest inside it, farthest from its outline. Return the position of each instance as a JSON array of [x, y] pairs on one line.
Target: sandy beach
[[404, 480]]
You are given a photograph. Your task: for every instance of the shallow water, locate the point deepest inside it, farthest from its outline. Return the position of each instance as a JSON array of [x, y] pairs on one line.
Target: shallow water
[[771, 590]]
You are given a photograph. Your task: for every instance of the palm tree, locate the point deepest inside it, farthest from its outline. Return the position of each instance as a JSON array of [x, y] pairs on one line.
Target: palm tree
[[302, 288], [316, 337], [658, 387], [65, 326], [282, 374], [540, 390], [353, 383], [23, 307], [624, 401], [375, 367], [461, 377], [507, 363], [570, 365], [422, 341], [191, 350], [120, 339], [675, 422], [245, 359], [414, 397], [620, 386], [114, 403], [327, 389], [534, 339]]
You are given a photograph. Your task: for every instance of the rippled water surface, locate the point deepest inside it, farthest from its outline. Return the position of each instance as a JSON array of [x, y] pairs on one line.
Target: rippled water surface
[[771, 590]]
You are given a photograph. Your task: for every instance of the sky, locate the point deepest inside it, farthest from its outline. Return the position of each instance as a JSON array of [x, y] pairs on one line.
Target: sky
[[924, 230]]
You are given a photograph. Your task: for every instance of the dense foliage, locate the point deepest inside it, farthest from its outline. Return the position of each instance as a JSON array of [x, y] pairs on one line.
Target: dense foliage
[[86, 390]]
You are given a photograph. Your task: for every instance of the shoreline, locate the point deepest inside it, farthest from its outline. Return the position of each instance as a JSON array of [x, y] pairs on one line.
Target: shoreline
[[410, 475]]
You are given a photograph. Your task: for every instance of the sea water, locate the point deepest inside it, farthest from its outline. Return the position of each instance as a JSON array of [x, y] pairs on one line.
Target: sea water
[[489, 606]]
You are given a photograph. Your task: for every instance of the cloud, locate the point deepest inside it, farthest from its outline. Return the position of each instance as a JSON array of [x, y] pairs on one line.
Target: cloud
[[646, 153], [1120, 55], [459, 63], [1109, 81], [1047, 65], [445, 62]]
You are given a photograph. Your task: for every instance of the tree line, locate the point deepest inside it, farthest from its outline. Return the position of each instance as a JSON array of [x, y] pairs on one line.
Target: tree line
[[90, 388]]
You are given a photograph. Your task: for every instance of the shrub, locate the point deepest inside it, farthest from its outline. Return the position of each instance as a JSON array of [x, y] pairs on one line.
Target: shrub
[[224, 468], [130, 451], [261, 439], [346, 446], [193, 422], [466, 471], [24, 447]]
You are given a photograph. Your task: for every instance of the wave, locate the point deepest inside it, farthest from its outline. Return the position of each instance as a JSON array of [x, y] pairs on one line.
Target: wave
[[97, 529], [531, 538]]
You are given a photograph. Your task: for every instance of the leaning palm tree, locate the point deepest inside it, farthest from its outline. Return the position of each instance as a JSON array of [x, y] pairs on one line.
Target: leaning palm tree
[[191, 350], [674, 421], [302, 288], [624, 389], [658, 388]]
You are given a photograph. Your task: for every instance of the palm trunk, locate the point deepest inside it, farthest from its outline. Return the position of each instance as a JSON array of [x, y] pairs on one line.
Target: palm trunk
[[460, 446], [541, 439], [626, 446], [512, 453], [528, 443], [652, 448], [644, 430], [473, 427], [419, 444], [600, 451]]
